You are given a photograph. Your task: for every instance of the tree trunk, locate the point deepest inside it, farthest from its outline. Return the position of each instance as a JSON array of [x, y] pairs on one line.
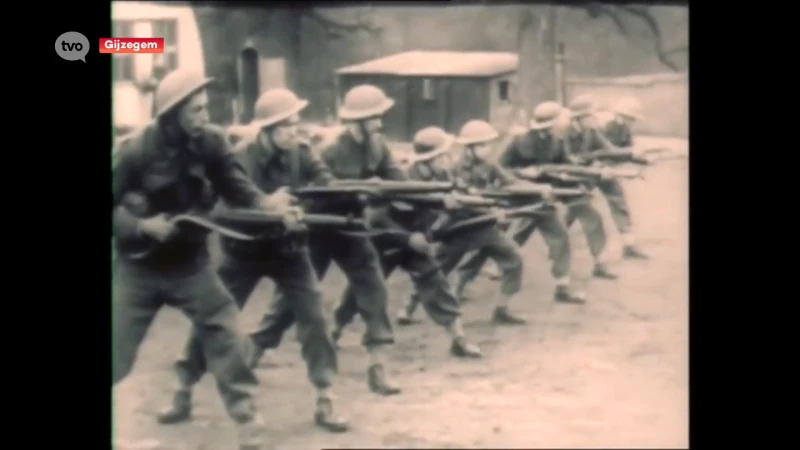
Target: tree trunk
[[536, 73]]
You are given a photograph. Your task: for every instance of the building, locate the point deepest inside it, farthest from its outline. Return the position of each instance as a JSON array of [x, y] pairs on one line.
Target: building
[[135, 75], [439, 88]]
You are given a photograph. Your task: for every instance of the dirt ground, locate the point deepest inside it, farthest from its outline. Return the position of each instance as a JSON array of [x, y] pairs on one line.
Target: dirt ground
[[612, 373]]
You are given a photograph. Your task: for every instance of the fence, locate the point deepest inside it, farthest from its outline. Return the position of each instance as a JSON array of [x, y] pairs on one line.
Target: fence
[[664, 98]]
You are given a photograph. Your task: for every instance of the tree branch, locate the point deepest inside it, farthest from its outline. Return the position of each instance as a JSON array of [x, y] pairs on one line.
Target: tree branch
[[642, 13], [336, 29]]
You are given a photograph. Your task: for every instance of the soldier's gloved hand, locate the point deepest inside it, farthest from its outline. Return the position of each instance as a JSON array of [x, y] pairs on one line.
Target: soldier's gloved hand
[[500, 214], [278, 201], [547, 194], [158, 227], [451, 202], [292, 218], [419, 243], [530, 172], [606, 173], [576, 160]]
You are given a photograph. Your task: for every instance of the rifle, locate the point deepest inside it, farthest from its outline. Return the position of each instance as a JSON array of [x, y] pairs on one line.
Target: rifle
[[484, 220], [186, 223], [437, 200], [256, 218], [628, 154], [362, 192], [591, 173], [397, 187], [516, 194]]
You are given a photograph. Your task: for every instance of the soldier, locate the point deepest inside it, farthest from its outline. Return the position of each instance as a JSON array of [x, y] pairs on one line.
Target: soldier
[[359, 152], [585, 137], [539, 146], [474, 171], [178, 163], [274, 158], [430, 284]]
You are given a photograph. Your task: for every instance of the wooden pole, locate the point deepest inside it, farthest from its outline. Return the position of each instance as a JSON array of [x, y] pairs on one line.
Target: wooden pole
[[558, 54]]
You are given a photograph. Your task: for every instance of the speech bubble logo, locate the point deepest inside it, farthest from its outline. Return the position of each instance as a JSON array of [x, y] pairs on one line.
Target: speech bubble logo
[[72, 46]]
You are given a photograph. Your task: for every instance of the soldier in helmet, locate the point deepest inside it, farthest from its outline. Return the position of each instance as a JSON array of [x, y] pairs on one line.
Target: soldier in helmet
[[475, 171], [539, 146], [430, 284], [177, 163], [585, 136], [358, 153], [275, 159]]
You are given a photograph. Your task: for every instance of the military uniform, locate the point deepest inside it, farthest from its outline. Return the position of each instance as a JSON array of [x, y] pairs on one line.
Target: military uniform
[[355, 256], [177, 175], [430, 284], [480, 174], [244, 264], [587, 139], [531, 149]]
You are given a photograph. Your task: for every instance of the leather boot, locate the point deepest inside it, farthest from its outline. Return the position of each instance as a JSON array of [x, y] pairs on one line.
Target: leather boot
[[460, 348], [378, 382], [633, 252], [180, 410], [601, 271], [325, 418], [405, 314], [564, 294], [502, 316]]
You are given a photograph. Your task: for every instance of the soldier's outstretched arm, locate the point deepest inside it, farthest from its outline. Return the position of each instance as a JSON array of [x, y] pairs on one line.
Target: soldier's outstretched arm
[[124, 175], [228, 176]]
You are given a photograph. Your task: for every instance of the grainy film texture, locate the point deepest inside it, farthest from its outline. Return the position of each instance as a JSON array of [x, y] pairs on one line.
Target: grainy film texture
[[460, 226]]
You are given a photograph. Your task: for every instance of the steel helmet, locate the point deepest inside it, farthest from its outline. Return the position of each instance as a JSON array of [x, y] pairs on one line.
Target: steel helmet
[[476, 132], [545, 115], [431, 142], [628, 107], [582, 105], [364, 101], [176, 87], [276, 105]]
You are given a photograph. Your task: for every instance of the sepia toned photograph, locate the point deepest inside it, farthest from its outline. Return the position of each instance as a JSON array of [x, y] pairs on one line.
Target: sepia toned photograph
[[400, 225]]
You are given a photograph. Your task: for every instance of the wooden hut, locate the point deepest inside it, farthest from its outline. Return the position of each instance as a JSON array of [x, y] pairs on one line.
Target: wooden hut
[[439, 88]]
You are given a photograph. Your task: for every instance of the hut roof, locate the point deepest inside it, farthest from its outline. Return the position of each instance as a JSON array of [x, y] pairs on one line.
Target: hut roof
[[438, 63]]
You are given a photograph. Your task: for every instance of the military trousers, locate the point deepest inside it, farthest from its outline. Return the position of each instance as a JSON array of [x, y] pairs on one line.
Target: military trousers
[[140, 292], [617, 204], [555, 235], [359, 260], [430, 285], [294, 275], [492, 243], [592, 224]]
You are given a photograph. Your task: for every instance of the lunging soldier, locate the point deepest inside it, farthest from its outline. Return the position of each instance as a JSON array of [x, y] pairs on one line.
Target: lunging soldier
[[539, 146], [414, 257], [358, 153], [176, 164], [585, 137], [275, 159], [475, 171]]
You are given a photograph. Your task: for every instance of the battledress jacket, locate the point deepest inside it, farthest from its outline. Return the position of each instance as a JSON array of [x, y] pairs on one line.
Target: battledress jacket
[[175, 176], [271, 168], [353, 160]]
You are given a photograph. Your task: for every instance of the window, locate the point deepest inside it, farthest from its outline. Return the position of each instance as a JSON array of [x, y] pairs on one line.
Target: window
[[168, 29], [427, 89], [122, 65], [122, 68], [503, 90]]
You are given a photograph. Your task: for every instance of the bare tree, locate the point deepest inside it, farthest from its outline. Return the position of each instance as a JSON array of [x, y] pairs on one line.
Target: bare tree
[[620, 14]]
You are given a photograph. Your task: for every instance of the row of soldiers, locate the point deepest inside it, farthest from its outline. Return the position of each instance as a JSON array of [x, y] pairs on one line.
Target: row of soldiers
[[181, 163]]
